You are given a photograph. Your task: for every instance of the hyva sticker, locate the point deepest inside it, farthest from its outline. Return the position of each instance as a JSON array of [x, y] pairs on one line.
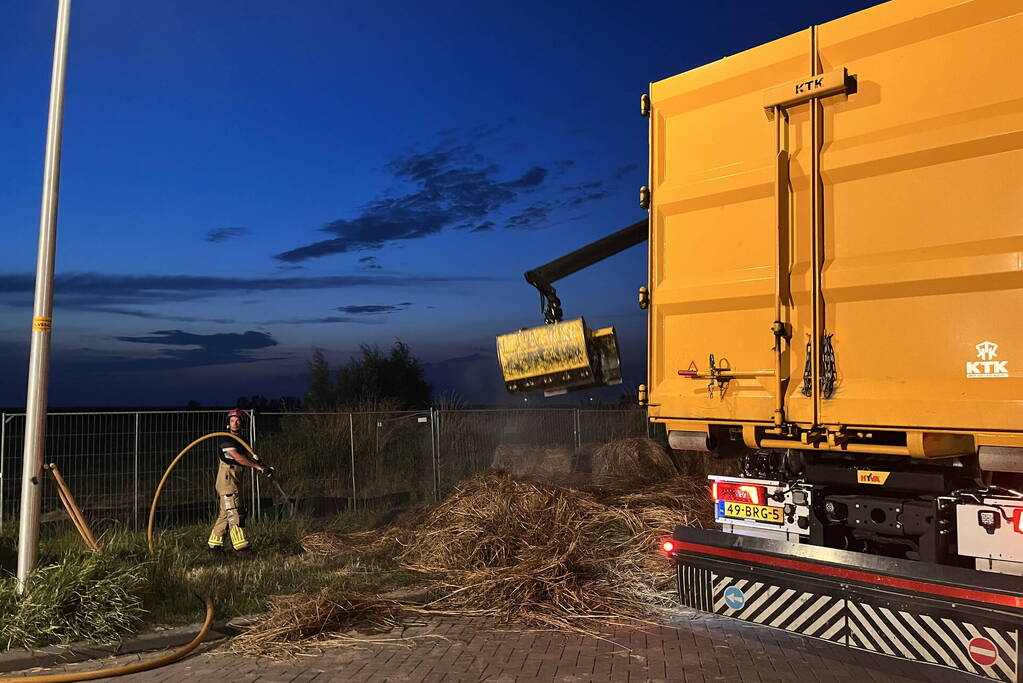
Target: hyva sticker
[[987, 366]]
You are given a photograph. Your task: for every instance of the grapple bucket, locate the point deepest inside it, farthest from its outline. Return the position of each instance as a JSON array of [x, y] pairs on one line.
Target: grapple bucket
[[558, 358]]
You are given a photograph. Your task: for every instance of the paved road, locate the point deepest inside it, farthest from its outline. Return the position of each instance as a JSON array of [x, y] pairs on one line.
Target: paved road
[[692, 648]]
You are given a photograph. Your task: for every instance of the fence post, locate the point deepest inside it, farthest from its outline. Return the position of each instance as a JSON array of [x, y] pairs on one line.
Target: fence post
[[575, 427], [351, 449], [135, 477], [257, 506], [3, 441], [433, 454]]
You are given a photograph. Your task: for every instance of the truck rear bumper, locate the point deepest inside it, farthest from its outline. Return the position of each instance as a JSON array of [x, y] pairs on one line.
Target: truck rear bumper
[[944, 616]]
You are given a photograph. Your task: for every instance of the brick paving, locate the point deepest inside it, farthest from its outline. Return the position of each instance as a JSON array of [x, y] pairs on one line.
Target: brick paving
[[690, 648]]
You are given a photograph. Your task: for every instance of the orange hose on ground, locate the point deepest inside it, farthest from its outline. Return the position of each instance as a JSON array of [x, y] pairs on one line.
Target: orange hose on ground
[[167, 659], [122, 670]]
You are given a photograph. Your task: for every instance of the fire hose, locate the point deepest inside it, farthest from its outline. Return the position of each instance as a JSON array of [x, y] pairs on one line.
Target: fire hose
[[79, 521]]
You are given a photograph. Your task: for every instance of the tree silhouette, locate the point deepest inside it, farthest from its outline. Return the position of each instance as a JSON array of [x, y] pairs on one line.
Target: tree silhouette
[[371, 377]]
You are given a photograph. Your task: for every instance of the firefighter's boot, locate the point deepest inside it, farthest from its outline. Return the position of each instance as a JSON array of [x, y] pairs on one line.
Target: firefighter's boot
[[215, 543], [238, 540]]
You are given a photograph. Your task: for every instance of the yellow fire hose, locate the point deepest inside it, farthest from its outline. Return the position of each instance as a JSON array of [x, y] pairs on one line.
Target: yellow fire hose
[[159, 488], [83, 529], [122, 670]]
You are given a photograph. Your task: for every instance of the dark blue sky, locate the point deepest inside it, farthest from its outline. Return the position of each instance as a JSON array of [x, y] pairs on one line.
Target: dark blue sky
[[244, 181]]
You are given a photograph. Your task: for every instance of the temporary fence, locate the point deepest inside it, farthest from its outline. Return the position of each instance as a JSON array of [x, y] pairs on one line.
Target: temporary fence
[[327, 462]]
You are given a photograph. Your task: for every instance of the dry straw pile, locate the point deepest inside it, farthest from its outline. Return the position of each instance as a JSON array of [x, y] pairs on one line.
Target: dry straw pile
[[294, 621], [523, 552], [542, 555]]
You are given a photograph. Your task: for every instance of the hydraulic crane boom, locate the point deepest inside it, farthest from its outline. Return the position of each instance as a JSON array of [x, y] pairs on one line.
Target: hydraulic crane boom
[[583, 257], [564, 356]]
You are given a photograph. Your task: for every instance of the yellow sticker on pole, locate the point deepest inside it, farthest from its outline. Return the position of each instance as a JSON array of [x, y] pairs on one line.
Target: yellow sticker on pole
[[41, 324]]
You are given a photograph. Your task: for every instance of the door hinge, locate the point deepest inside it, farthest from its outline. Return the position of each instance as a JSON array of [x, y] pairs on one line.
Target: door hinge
[[644, 105], [644, 197]]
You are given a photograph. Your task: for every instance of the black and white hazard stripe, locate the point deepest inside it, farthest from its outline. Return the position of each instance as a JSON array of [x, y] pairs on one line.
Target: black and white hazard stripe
[[811, 614], [936, 640], [694, 586], [885, 627]]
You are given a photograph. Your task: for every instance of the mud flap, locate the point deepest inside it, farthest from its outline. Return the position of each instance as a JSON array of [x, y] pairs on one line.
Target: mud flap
[[943, 616]]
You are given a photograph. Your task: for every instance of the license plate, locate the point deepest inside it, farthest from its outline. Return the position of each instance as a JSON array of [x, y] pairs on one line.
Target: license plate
[[754, 513]]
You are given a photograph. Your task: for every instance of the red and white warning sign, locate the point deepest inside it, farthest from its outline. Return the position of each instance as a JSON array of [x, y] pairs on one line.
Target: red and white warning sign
[[983, 651]]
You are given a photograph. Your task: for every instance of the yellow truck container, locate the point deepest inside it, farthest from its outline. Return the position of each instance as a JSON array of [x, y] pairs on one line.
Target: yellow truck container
[[836, 238], [836, 293]]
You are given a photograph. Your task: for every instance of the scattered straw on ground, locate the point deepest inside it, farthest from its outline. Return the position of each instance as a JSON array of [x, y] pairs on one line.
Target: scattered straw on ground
[[294, 622], [524, 552]]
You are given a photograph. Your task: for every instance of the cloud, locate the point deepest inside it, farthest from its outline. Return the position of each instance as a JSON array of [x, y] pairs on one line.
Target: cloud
[[230, 341], [155, 316], [486, 226], [81, 290], [540, 214], [588, 197], [365, 309], [371, 262], [325, 319], [224, 234], [454, 187], [532, 217], [532, 178], [202, 349], [576, 195], [625, 170]]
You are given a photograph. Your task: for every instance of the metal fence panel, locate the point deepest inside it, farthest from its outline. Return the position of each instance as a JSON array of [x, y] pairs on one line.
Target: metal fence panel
[[189, 495], [393, 459], [604, 426], [313, 456], [113, 461]]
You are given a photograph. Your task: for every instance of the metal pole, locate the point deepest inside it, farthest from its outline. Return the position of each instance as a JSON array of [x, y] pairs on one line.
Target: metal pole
[[258, 490], [39, 359], [136, 473], [3, 432], [433, 455], [351, 444]]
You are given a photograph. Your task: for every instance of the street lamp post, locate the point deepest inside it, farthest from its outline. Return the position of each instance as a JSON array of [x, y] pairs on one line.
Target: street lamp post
[[39, 360]]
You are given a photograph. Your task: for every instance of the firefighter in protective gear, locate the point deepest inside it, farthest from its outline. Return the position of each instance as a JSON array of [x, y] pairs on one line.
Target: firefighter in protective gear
[[233, 458]]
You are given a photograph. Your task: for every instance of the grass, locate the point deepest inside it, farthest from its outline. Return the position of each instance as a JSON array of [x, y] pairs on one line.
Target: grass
[[78, 595]]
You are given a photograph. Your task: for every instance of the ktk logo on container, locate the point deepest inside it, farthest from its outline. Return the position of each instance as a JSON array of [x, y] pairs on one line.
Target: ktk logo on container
[[987, 366]]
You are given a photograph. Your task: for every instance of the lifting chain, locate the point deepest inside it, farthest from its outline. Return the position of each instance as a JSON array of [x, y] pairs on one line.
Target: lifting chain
[[829, 372], [550, 305], [807, 388]]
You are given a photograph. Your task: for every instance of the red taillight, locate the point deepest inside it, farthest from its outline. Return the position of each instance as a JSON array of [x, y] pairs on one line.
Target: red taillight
[[668, 546], [1017, 521], [740, 493]]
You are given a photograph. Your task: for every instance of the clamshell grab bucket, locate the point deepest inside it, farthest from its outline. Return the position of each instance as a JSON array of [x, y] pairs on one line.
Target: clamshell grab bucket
[[558, 358]]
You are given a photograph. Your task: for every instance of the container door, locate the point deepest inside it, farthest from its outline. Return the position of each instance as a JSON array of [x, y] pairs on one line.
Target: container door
[[922, 172], [714, 235]]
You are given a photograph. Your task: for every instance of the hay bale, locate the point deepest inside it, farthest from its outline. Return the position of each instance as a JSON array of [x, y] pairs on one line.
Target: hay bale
[[524, 461], [633, 461]]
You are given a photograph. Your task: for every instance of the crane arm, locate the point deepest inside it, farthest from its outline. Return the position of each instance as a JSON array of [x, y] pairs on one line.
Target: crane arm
[[543, 277]]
